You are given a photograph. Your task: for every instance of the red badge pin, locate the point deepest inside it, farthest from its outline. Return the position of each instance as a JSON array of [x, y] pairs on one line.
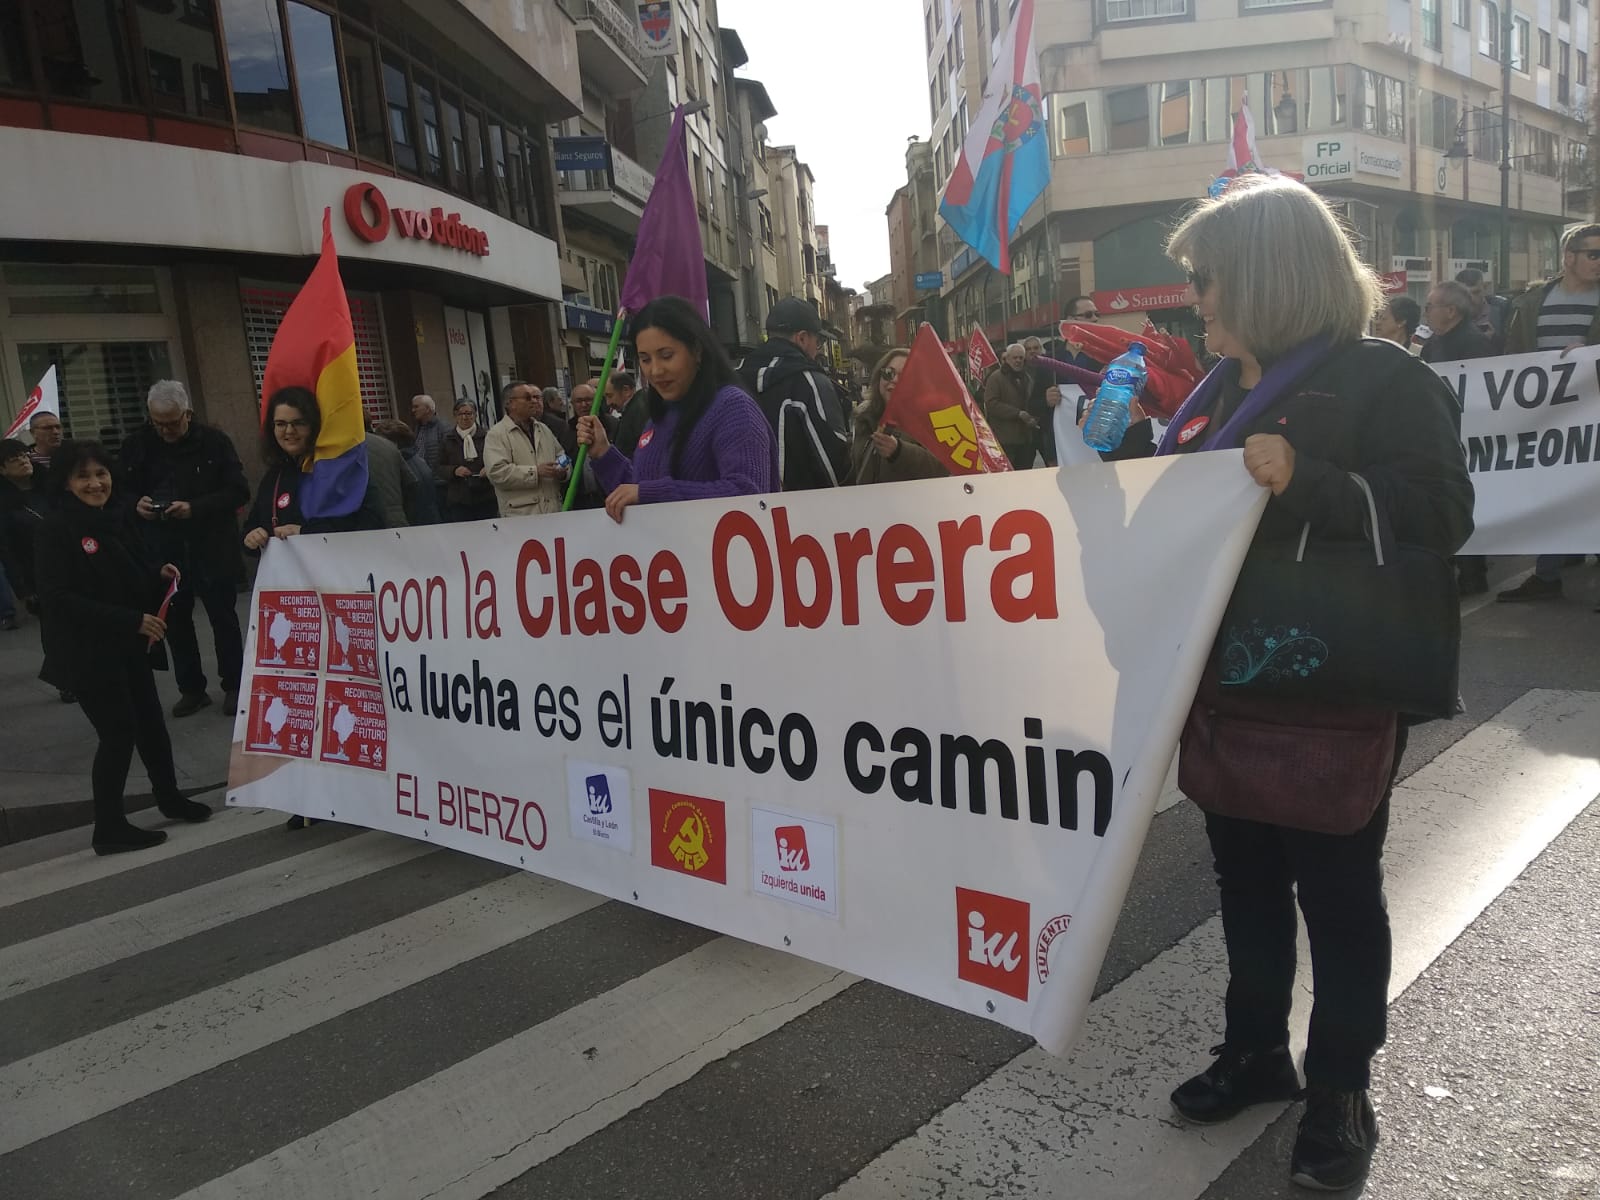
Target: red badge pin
[[644, 438], [283, 500], [90, 546], [1192, 430]]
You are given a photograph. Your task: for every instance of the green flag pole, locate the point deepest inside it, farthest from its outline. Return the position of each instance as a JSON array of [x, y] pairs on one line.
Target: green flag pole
[[594, 409]]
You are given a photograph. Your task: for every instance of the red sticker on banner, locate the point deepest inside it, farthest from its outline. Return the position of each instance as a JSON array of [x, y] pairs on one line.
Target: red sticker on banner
[[90, 546], [288, 630], [283, 716], [352, 633], [1192, 430], [355, 725]]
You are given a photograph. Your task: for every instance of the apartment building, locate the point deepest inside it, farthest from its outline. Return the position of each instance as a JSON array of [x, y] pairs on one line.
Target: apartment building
[[171, 164], [1390, 108], [795, 212]]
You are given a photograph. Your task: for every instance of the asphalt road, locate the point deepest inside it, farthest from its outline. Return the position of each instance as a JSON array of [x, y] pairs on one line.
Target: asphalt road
[[339, 1013]]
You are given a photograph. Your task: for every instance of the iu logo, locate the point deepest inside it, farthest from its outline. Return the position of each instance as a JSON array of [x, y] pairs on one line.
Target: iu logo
[[992, 933], [792, 855], [599, 790]]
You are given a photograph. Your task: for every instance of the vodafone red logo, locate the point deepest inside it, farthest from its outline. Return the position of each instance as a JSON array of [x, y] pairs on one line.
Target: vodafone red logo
[[1192, 430], [90, 546], [644, 438], [370, 218]]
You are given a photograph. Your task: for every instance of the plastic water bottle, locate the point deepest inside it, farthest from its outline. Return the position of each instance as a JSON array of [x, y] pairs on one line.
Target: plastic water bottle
[[1108, 418]]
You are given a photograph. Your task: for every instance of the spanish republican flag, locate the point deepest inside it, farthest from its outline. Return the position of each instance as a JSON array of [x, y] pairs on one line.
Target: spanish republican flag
[[932, 406], [315, 348]]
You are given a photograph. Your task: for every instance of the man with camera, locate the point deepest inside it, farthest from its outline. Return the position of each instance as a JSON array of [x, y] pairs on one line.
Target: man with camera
[[190, 486]]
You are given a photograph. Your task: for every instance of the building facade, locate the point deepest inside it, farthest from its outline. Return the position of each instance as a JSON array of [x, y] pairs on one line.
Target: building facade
[[179, 160], [1391, 109]]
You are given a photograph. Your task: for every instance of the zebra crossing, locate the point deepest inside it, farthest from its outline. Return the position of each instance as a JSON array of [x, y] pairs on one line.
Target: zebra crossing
[[246, 1012]]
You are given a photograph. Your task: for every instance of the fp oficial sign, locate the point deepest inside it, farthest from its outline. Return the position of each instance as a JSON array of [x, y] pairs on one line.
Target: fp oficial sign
[[1329, 158]]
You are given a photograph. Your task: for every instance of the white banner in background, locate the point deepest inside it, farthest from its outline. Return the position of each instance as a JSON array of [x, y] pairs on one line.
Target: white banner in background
[[914, 731], [1530, 428]]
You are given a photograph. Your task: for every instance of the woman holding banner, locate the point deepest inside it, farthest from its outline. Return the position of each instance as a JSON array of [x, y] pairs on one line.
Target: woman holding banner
[[880, 453], [288, 439], [706, 436], [100, 601], [1322, 416]]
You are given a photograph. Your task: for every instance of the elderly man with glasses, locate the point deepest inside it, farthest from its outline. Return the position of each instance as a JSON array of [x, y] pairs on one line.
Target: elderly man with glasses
[[190, 486], [1453, 337]]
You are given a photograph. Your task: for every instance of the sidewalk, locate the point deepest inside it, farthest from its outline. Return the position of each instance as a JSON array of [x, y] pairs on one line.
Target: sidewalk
[[47, 747]]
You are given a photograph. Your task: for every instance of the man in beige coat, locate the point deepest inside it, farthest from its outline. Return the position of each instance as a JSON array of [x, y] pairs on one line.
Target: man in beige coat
[[520, 456]]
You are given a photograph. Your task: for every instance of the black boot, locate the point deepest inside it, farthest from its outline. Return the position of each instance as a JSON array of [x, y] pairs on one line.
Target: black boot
[[1337, 1137], [119, 839], [181, 808], [1238, 1079]]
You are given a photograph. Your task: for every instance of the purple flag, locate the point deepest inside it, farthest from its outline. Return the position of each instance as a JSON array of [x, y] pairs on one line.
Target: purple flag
[[667, 257]]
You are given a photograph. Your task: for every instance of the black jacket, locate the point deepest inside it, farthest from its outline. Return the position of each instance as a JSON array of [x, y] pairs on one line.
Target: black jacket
[[203, 469], [1372, 409], [277, 503], [22, 513], [1462, 342], [630, 423], [803, 408], [475, 490], [96, 582]]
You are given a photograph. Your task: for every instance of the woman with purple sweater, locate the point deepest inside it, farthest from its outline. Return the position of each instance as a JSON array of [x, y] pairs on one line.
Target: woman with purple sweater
[[706, 436]]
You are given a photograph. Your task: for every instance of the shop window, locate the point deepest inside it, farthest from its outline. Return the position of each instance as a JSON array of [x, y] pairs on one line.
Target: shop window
[[102, 384], [316, 75], [362, 74], [432, 134], [83, 52], [264, 306], [258, 65], [15, 70], [397, 99], [70, 290], [180, 51]]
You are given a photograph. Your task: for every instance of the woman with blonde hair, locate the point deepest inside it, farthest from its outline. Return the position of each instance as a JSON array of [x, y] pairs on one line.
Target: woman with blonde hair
[[879, 453], [1317, 409]]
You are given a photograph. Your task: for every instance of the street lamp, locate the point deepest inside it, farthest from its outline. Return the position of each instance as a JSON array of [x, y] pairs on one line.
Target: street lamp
[[755, 193], [689, 110]]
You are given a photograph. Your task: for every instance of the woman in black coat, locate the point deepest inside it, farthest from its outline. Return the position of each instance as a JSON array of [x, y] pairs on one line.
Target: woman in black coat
[[1285, 301], [468, 495], [99, 597], [288, 438]]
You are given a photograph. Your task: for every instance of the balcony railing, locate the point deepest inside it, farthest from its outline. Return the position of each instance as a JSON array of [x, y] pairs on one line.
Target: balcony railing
[[617, 26]]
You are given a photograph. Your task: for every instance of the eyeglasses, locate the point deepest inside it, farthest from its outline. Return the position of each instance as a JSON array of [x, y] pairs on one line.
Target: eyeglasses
[[889, 375], [297, 423]]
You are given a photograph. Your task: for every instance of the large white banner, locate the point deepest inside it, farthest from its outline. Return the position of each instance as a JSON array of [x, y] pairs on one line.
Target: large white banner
[[1530, 428], [915, 731]]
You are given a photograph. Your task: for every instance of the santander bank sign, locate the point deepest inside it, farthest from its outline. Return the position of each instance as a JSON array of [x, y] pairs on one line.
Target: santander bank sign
[[370, 218]]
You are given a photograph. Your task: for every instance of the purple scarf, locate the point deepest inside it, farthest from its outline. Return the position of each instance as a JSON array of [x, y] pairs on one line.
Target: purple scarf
[[1275, 382]]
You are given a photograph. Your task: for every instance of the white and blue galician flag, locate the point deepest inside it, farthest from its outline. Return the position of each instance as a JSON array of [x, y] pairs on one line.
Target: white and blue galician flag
[[1005, 161]]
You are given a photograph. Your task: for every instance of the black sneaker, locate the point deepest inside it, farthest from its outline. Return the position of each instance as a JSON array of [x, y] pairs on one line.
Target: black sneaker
[[181, 808], [1338, 1134], [1532, 588], [190, 703], [1238, 1079]]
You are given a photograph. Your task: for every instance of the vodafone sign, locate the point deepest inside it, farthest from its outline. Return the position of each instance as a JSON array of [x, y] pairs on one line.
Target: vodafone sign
[[370, 218]]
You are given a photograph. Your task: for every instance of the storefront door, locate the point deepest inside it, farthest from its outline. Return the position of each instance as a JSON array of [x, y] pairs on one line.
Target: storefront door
[[471, 372]]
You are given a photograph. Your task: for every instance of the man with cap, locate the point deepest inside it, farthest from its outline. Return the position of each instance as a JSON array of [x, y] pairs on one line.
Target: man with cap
[[799, 399]]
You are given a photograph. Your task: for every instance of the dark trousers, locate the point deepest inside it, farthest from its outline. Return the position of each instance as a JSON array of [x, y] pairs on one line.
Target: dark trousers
[[122, 704], [1020, 453], [218, 597], [1340, 883]]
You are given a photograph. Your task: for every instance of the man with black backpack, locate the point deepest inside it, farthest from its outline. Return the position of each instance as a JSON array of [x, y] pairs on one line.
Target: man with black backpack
[[799, 399]]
